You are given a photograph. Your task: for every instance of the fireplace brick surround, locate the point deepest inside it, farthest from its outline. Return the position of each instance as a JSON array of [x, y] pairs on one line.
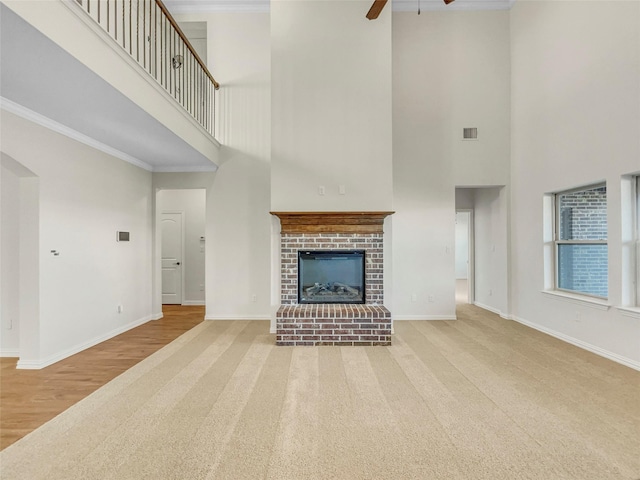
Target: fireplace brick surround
[[332, 324]]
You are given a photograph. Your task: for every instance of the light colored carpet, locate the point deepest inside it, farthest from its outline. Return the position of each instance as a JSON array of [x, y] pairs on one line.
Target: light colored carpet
[[477, 398]]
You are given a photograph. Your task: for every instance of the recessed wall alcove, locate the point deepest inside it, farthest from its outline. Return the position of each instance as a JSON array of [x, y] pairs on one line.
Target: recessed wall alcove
[[333, 323]]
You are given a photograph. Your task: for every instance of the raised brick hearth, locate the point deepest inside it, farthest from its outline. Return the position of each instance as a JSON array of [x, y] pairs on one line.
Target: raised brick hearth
[[333, 324]]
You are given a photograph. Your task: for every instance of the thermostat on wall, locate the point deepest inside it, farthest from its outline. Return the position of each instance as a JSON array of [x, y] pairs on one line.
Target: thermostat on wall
[[122, 236]]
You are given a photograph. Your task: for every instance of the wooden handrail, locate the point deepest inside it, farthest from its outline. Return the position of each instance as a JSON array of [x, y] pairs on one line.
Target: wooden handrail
[[147, 31], [187, 43]]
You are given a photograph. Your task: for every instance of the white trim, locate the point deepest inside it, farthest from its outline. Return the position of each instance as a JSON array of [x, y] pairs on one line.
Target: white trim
[[50, 124], [403, 318], [263, 6], [633, 312], [193, 303], [157, 316], [9, 353], [218, 6], [237, 317], [593, 302], [497, 311], [196, 169], [459, 5], [56, 357], [584, 345]]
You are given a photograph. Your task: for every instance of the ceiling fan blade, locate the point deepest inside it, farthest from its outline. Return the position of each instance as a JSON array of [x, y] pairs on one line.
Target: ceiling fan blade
[[376, 8], [447, 2]]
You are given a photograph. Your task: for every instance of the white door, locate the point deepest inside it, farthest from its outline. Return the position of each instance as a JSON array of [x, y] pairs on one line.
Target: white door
[[171, 226]]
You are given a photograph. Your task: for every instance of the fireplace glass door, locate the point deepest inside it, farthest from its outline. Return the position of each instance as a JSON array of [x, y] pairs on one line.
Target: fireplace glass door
[[335, 276]]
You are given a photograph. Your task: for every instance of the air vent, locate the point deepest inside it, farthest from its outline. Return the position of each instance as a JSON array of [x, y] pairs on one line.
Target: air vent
[[470, 133], [122, 236]]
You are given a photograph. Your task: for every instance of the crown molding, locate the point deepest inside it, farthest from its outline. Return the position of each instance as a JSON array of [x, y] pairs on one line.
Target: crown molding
[[50, 124], [46, 122], [263, 6], [217, 6], [457, 6], [178, 169]]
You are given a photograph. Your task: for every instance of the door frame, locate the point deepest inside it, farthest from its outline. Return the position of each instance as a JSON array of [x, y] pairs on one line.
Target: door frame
[[182, 251], [471, 274]]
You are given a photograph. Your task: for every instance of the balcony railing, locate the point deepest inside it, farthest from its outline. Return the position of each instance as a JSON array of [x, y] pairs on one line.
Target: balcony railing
[[148, 32]]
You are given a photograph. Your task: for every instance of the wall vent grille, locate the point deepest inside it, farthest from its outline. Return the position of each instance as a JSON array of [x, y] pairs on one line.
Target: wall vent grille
[[470, 133]]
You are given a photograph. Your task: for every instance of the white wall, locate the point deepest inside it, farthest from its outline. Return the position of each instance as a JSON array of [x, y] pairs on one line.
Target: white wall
[[10, 263], [490, 249], [238, 220], [462, 245], [465, 198], [576, 117], [192, 204], [331, 94], [450, 71], [84, 197]]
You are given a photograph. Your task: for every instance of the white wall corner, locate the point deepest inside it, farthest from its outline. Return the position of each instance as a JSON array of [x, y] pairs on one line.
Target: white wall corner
[[497, 311]]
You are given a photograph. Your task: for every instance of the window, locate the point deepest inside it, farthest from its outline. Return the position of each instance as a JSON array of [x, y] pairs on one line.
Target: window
[[580, 238], [630, 223]]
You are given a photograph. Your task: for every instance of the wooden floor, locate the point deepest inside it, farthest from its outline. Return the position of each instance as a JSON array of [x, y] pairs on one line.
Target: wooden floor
[[30, 398]]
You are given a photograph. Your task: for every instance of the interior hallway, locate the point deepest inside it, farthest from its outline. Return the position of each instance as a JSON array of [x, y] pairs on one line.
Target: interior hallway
[[462, 291]]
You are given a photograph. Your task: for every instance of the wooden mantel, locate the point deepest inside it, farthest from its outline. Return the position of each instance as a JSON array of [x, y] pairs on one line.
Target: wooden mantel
[[331, 222]]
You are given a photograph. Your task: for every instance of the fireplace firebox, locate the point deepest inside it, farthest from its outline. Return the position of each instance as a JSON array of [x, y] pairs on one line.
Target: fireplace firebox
[[331, 276]]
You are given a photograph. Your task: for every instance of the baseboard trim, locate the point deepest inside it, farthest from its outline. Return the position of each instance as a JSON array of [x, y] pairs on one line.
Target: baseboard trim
[[157, 316], [579, 343], [497, 311], [193, 303], [236, 317], [9, 353], [403, 318], [56, 357]]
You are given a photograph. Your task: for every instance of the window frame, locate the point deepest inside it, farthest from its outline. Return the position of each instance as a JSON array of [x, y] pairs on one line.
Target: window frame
[[557, 242], [635, 185]]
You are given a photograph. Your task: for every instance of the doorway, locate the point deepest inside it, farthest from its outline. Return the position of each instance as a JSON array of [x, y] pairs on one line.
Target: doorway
[[20, 262], [464, 256], [181, 225]]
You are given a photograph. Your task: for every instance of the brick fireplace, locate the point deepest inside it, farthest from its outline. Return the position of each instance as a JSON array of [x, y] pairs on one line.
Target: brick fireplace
[[332, 323]]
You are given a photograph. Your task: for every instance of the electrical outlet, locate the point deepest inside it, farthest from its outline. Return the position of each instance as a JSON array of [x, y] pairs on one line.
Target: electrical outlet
[[254, 298], [321, 190], [202, 287], [10, 326], [119, 308], [342, 190], [414, 297], [431, 299], [490, 292]]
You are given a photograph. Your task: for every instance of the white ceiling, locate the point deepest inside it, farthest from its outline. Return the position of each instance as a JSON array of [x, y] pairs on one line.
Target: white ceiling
[[40, 80]]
